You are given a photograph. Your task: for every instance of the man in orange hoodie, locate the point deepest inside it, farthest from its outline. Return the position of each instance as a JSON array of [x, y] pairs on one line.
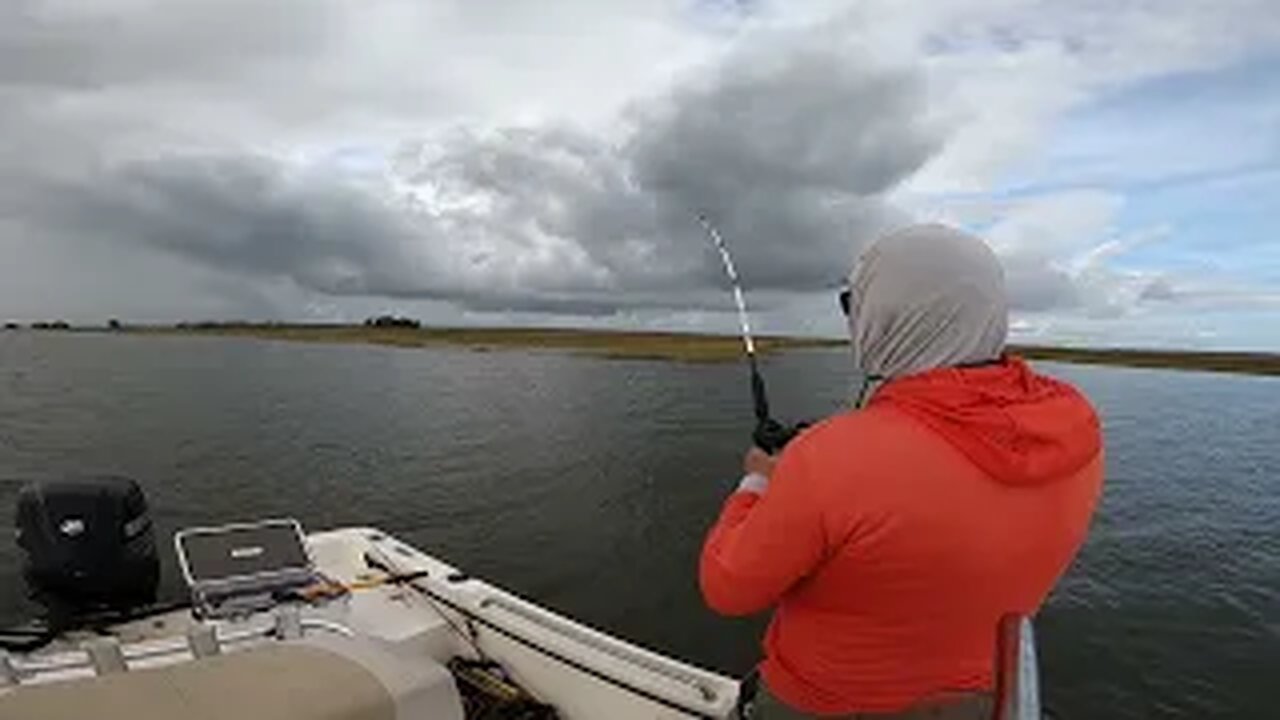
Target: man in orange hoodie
[[891, 539]]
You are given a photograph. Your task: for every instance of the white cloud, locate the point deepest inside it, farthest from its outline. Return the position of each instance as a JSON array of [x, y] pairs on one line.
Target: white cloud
[[609, 119], [789, 145]]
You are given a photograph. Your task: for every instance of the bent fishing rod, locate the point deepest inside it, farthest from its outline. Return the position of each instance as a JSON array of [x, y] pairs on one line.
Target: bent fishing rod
[[769, 435]]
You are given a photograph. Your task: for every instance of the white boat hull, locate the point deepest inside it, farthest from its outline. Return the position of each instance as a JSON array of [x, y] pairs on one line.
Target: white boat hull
[[441, 614]]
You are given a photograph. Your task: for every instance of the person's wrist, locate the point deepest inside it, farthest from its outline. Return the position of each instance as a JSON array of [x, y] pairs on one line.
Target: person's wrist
[[753, 483]]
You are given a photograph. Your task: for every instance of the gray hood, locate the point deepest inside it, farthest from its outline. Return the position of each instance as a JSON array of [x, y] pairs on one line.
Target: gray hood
[[925, 297]]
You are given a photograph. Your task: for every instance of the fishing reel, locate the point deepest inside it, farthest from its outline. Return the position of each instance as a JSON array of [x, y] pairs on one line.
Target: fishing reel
[[772, 436]]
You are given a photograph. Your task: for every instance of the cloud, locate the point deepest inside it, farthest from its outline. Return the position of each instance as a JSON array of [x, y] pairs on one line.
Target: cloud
[[322, 155], [790, 151], [1035, 284], [1050, 244], [1158, 290], [95, 45], [240, 213], [1065, 252]]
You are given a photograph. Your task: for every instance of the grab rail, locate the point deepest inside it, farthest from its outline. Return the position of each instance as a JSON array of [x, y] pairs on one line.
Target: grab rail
[[1017, 673], [602, 644]]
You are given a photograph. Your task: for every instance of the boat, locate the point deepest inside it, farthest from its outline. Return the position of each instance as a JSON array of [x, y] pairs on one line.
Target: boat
[[342, 624]]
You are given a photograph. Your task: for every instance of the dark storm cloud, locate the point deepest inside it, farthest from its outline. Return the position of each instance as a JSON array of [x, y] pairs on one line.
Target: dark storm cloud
[[789, 155], [789, 147], [252, 217], [789, 152], [242, 213]]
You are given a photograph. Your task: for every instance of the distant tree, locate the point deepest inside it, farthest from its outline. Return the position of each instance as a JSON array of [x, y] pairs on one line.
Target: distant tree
[[392, 321], [12, 326], [113, 324]]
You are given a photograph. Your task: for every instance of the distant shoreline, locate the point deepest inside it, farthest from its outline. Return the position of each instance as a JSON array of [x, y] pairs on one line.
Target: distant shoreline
[[671, 346], [619, 344], [1241, 363]]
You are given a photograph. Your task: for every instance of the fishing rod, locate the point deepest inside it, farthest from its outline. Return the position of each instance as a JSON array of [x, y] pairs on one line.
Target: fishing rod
[[769, 435]]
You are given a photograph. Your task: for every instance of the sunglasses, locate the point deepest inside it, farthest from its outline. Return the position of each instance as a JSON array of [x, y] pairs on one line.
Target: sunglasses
[[844, 301]]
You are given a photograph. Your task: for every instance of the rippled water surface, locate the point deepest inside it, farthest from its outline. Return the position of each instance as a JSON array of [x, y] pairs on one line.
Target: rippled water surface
[[587, 485]]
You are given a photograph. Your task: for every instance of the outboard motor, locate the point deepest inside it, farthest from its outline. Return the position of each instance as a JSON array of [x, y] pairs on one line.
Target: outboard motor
[[88, 545]]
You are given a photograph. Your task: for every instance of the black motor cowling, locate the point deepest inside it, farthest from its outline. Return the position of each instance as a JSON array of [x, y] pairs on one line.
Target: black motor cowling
[[88, 545]]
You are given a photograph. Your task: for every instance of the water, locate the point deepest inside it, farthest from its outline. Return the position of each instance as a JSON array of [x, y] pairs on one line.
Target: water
[[588, 484]]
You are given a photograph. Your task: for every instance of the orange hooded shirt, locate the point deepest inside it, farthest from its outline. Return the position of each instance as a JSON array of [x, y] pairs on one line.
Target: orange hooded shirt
[[892, 538]]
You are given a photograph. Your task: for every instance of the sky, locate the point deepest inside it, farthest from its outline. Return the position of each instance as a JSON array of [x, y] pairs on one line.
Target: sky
[[543, 162]]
